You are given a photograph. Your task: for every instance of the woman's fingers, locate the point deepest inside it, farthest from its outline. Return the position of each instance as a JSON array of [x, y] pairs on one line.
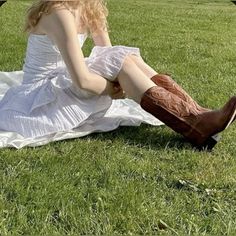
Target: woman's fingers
[[115, 91], [119, 94], [117, 86]]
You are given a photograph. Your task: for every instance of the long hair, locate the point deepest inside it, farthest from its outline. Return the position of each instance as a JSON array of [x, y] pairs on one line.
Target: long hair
[[93, 13]]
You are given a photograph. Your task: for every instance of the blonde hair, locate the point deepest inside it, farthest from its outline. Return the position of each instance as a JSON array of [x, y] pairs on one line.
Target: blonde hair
[[93, 13]]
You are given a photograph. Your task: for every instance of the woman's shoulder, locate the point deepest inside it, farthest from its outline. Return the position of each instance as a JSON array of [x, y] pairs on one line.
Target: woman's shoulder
[[57, 16], [38, 30]]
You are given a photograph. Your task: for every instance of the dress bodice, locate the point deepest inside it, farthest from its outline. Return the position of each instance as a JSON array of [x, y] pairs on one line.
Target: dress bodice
[[43, 56]]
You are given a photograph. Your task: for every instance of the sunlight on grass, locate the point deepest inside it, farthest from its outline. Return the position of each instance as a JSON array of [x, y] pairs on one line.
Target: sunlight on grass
[[135, 180]]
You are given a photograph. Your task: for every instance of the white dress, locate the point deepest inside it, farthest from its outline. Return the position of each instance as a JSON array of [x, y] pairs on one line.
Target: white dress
[[40, 104]]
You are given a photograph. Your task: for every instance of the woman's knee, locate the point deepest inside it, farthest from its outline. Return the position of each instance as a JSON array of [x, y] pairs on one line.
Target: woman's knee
[[141, 64], [128, 63], [132, 58], [136, 58], [129, 60]]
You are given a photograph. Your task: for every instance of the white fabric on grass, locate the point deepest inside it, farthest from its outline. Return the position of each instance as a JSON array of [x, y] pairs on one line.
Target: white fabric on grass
[[40, 104]]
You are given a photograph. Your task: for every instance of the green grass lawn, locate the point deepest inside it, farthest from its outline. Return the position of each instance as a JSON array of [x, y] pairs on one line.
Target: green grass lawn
[[135, 180]]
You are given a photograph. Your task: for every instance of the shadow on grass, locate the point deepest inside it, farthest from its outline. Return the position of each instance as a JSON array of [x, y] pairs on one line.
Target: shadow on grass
[[2, 2], [145, 136]]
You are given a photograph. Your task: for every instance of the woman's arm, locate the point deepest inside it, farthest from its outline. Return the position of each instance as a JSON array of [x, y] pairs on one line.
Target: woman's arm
[[60, 27], [101, 38]]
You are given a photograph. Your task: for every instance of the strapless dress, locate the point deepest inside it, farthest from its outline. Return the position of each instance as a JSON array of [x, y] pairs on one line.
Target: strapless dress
[[40, 104]]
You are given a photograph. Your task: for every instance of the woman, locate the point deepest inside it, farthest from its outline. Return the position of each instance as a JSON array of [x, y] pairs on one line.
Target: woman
[[61, 90]]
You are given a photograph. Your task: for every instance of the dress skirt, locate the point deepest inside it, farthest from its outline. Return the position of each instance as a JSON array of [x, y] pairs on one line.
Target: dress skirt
[[35, 110]]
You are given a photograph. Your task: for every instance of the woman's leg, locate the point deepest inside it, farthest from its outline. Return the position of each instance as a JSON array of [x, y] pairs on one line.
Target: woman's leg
[[133, 80], [147, 70], [166, 82], [198, 128]]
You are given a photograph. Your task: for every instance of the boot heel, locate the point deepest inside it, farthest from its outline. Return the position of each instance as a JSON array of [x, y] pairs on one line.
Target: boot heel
[[209, 144]]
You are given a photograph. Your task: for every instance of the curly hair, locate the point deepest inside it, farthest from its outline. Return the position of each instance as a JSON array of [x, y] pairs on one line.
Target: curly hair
[[93, 13]]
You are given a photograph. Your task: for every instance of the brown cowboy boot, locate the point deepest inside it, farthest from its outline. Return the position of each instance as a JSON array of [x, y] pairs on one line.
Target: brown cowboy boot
[[169, 84], [166, 82], [200, 128]]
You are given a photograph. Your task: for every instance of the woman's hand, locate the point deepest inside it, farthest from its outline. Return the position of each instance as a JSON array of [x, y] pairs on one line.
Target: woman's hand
[[114, 90]]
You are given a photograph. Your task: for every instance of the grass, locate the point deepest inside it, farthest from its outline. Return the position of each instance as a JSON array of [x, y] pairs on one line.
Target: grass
[[135, 180]]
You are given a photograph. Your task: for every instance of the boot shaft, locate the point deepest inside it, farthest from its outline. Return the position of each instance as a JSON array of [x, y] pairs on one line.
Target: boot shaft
[[197, 127], [166, 82]]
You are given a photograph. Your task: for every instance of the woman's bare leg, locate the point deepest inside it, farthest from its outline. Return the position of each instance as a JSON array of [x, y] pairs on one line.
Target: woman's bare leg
[[133, 80], [166, 82], [143, 66], [199, 128]]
